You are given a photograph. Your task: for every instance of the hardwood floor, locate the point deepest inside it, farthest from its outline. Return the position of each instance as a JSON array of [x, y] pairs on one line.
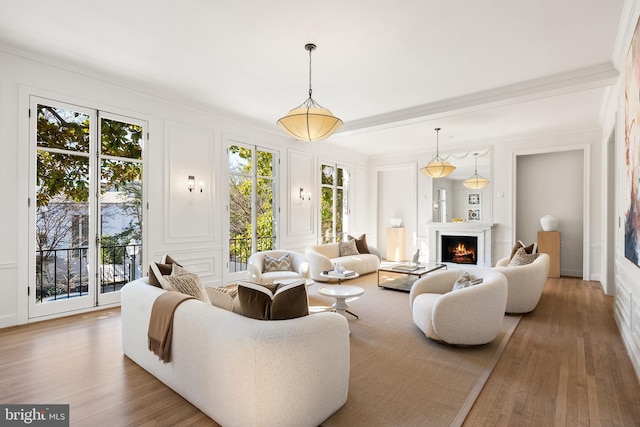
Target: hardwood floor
[[565, 365]]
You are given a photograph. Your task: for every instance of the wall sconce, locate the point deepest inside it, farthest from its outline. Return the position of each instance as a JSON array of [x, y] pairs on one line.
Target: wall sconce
[[303, 195], [201, 186], [191, 183]]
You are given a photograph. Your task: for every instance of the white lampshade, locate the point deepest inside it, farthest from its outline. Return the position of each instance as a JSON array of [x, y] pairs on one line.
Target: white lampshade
[[476, 182], [310, 123], [437, 168]]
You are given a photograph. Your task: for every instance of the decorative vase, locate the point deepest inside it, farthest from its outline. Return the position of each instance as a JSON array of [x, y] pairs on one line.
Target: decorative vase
[[549, 223], [395, 222]]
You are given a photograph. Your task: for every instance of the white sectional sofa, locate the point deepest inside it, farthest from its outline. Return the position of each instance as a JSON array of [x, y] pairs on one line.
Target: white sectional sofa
[[323, 257], [242, 371]]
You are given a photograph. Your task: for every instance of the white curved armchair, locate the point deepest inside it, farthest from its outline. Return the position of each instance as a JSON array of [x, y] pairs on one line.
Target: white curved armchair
[[255, 265], [525, 283], [469, 316]]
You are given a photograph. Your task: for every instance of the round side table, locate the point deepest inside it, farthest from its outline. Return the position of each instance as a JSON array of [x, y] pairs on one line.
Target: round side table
[[341, 294]]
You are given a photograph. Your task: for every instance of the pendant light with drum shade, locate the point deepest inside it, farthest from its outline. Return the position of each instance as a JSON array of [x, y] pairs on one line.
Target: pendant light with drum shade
[[437, 167], [476, 182], [310, 121]]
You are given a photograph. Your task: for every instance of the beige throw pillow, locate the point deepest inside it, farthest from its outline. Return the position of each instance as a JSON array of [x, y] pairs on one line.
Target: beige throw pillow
[[181, 280], [521, 257], [277, 264], [348, 248]]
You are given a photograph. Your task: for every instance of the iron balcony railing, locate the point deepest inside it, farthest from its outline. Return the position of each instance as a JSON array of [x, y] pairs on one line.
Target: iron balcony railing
[[64, 273], [240, 250]]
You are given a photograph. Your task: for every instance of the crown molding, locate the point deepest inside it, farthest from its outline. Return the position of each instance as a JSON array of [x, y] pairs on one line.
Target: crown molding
[[600, 75]]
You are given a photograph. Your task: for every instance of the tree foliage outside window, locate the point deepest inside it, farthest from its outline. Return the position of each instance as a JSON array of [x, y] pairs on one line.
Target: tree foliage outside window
[[63, 188], [245, 182]]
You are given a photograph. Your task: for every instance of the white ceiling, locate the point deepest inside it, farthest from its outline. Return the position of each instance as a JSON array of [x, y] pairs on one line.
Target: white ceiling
[[391, 70]]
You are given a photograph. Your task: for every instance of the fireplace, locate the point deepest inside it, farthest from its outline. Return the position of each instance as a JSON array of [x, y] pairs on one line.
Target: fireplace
[[459, 249], [432, 245]]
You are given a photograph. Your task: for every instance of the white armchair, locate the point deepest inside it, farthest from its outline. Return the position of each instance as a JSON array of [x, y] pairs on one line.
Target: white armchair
[[255, 265], [469, 316], [525, 283]]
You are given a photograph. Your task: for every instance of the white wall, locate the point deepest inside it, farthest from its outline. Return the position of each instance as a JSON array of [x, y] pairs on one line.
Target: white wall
[[500, 193], [184, 140], [553, 183]]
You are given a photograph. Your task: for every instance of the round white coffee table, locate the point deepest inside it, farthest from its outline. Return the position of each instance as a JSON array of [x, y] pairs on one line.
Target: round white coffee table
[[341, 294]]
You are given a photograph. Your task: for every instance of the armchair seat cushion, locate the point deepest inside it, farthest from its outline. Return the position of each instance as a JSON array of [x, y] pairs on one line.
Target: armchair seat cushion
[[270, 277]]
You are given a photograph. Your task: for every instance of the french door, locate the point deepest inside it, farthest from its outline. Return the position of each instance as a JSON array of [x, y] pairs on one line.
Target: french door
[[86, 206], [252, 205]]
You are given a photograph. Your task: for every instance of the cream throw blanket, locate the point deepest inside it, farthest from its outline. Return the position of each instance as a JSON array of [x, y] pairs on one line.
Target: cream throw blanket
[[161, 323]]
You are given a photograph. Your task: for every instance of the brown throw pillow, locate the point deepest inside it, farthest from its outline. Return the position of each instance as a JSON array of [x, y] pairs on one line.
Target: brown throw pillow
[[169, 260], [156, 271], [159, 269], [258, 302], [290, 302], [361, 243], [254, 301]]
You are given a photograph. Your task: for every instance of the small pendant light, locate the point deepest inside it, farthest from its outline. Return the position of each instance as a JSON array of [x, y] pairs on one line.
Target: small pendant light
[[437, 167], [476, 182]]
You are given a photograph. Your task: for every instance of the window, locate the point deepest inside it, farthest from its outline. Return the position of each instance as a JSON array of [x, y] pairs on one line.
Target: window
[[87, 230], [252, 203], [334, 203]]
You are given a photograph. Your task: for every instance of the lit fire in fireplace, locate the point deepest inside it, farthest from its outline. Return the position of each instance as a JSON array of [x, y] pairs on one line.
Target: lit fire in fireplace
[[462, 255], [459, 249]]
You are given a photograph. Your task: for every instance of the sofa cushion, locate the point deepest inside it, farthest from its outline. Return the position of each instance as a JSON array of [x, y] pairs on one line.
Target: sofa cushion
[[361, 263], [181, 280], [277, 264], [521, 257], [330, 250], [259, 302], [348, 248], [361, 243]]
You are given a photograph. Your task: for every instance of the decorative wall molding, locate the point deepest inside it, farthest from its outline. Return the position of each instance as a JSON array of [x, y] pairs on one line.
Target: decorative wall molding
[[188, 216], [302, 172]]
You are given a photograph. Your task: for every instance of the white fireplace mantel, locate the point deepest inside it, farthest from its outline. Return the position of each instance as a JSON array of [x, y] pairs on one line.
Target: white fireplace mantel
[[481, 230]]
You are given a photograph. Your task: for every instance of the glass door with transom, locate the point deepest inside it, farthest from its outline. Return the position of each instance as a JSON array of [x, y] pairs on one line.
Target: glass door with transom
[[86, 206]]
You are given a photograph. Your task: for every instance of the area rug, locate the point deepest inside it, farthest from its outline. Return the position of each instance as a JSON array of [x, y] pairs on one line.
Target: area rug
[[398, 376]]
